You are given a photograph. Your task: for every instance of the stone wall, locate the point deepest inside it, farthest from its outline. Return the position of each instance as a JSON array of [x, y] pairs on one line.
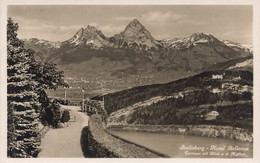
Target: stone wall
[[96, 142]]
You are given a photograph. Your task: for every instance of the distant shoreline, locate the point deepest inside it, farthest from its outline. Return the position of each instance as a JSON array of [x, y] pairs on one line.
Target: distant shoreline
[[224, 132]]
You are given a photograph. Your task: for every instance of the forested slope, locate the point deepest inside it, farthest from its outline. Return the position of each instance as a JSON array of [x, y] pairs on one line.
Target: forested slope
[[228, 93]]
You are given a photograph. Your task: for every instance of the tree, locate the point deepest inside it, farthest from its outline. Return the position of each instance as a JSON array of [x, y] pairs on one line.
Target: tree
[[48, 77], [247, 95], [23, 121], [51, 115], [56, 114], [11, 124], [65, 116], [26, 82]]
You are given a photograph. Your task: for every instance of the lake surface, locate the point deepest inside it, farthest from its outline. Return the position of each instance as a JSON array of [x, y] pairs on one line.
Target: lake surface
[[183, 146]]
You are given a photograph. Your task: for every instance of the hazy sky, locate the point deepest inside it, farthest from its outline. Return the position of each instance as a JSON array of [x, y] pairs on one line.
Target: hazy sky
[[59, 23]]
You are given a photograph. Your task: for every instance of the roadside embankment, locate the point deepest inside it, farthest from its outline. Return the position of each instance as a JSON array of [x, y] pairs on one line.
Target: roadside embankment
[[96, 142], [225, 132]]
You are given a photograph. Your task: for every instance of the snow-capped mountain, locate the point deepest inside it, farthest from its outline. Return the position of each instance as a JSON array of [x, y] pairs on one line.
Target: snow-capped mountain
[[89, 36], [225, 48], [238, 46], [135, 36], [134, 51], [42, 48], [42, 42], [172, 43], [193, 40]]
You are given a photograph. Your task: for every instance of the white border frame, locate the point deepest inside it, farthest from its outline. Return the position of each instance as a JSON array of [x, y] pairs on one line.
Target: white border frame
[[3, 74]]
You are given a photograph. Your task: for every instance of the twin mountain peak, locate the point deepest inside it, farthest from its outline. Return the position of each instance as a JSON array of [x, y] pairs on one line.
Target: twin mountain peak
[[135, 51], [135, 36]]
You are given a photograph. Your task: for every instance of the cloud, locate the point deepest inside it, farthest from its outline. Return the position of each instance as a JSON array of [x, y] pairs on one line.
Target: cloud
[[191, 22], [111, 29], [124, 18], [93, 24], [242, 36], [161, 16], [31, 28], [230, 33]]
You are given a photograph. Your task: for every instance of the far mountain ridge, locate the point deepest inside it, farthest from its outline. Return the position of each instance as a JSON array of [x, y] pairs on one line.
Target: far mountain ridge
[[134, 57], [42, 48], [54, 44], [135, 36], [228, 48], [239, 46]]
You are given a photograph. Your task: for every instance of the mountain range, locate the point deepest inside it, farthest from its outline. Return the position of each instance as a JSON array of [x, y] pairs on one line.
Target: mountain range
[[134, 57], [135, 36]]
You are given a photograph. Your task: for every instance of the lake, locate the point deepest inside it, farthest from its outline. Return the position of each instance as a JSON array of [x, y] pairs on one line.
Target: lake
[[183, 146]]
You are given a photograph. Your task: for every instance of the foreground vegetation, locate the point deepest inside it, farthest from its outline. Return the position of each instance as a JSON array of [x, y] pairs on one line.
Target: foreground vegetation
[[28, 103]]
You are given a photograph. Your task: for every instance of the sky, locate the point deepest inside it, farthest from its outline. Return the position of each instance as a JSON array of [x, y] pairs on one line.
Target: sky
[[61, 22]]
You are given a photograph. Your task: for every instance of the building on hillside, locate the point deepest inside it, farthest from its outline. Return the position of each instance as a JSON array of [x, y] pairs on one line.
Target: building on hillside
[[216, 90], [236, 78], [211, 115], [220, 77]]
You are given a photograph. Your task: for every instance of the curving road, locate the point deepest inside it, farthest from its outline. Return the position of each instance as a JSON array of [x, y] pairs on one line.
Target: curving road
[[65, 142]]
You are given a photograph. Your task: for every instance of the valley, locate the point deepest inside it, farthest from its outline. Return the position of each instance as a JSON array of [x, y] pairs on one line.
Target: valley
[[130, 80], [196, 80], [134, 57]]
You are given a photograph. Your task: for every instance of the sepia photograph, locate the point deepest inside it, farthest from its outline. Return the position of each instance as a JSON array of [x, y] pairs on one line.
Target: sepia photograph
[[129, 81]]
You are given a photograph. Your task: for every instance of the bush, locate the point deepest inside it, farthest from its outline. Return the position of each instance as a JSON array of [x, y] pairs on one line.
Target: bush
[[51, 115], [65, 116]]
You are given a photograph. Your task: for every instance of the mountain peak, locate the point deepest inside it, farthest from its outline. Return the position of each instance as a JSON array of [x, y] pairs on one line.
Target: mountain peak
[[80, 32], [136, 36], [135, 21], [135, 25], [201, 35], [203, 38], [90, 36], [91, 31], [91, 28]]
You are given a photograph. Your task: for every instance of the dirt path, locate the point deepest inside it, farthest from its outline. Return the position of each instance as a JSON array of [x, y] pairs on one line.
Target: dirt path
[[65, 142]]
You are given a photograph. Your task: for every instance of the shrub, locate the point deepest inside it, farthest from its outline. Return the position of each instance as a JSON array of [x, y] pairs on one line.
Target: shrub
[[51, 115], [65, 116], [56, 113]]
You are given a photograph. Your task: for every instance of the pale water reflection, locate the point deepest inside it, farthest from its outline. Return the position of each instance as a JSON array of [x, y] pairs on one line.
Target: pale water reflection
[[188, 146]]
